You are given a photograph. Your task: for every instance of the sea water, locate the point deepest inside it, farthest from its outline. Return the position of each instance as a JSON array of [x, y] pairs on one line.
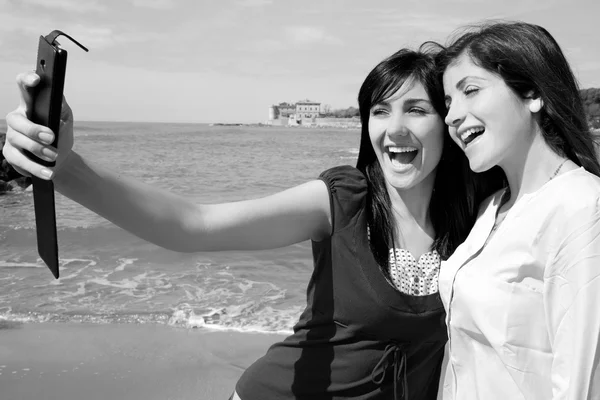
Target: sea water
[[108, 275]]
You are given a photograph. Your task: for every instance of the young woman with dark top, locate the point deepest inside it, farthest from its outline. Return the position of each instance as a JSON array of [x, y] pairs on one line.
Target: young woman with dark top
[[373, 327]]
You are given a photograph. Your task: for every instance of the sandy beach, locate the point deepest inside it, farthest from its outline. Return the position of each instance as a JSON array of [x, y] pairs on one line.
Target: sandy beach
[[69, 361]]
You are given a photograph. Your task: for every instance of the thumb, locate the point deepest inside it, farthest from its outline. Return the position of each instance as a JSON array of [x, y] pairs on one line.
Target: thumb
[[26, 82]]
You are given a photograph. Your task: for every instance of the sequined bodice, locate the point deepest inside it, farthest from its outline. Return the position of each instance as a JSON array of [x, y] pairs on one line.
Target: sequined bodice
[[417, 278]]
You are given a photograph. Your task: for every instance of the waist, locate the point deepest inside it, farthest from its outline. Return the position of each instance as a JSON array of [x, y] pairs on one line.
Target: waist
[[485, 372], [314, 368]]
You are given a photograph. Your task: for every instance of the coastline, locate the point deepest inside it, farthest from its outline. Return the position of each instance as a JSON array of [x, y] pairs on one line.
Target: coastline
[[343, 126], [70, 361]]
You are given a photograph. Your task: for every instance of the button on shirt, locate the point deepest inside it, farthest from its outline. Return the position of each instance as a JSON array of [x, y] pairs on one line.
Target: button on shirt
[[523, 310]]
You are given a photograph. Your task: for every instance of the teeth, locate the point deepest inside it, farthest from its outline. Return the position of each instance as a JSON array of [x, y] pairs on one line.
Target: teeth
[[470, 132], [401, 149]]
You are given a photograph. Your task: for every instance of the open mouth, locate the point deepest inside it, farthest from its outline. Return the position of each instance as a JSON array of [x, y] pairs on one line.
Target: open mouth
[[400, 156], [472, 134]]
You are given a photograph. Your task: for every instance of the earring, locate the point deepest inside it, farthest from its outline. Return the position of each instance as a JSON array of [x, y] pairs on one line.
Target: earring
[[536, 105]]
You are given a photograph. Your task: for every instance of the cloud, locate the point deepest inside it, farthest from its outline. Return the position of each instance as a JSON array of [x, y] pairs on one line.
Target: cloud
[[80, 6], [266, 45], [156, 4], [310, 35], [588, 66], [437, 23], [254, 3], [102, 37], [12, 22]]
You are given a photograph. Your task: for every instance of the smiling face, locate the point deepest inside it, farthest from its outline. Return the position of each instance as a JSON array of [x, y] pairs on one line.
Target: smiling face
[[407, 135], [486, 118]]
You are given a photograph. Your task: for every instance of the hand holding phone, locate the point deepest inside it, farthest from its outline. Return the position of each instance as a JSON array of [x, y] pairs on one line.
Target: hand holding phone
[[51, 67]]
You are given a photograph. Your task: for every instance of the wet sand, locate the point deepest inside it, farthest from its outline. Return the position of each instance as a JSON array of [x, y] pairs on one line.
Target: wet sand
[[69, 361]]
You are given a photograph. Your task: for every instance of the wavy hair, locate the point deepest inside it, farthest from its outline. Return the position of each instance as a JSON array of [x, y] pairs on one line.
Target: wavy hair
[[457, 190], [532, 64]]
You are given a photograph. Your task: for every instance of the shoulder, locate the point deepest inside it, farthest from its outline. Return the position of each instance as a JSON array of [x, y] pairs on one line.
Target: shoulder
[[345, 182], [348, 191], [573, 222], [575, 192], [345, 176]]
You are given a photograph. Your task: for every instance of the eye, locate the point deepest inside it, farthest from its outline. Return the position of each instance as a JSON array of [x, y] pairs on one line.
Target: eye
[[417, 110], [378, 110], [470, 90]]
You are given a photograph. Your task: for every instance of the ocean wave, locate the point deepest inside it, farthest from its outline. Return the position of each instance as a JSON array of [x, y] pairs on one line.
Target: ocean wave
[[267, 320], [108, 275], [204, 295], [348, 154], [266, 323], [60, 228], [124, 262], [16, 264]]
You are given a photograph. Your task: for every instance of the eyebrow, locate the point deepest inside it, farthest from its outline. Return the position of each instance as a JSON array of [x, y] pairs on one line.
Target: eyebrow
[[461, 84], [412, 101], [409, 101]]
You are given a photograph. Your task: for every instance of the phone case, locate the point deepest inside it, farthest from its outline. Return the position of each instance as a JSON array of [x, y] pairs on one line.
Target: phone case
[[51, 66]]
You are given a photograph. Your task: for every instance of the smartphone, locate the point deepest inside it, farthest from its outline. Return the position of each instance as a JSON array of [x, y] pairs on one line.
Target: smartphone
[[51, 66]]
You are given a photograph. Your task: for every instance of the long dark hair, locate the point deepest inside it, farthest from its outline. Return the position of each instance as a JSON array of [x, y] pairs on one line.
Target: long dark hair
[[531, 63], [455, 198]]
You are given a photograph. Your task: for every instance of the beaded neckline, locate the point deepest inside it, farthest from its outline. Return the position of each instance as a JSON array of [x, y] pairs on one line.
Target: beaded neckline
[[411, 276], [414, 277]]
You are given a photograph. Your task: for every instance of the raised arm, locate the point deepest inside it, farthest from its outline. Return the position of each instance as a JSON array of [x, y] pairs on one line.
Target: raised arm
[[572, 298], [163, 218]]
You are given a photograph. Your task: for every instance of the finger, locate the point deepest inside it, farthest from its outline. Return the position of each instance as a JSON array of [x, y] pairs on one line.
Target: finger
[[22, 142], [19, 125], [24, 165], [26, 81], [22, 171]]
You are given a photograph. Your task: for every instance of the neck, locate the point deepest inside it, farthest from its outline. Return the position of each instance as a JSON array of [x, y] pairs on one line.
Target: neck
[[530, 167], [411, 206]]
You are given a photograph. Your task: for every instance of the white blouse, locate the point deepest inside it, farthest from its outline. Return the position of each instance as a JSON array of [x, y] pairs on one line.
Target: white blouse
[[523, 311]]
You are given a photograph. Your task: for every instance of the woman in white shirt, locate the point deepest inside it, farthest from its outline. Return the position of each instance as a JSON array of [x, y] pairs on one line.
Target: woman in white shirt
[[522, 293]]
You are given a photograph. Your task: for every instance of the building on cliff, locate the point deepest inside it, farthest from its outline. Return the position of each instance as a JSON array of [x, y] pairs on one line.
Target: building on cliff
[[304, 112], [307, 110], [308, 114]]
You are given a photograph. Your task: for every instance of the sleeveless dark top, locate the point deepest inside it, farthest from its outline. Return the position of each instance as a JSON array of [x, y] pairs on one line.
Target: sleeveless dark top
[[359, 337]]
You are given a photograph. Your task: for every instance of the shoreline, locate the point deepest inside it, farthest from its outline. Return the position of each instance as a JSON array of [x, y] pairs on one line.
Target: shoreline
[[332, 125], [123, 361]]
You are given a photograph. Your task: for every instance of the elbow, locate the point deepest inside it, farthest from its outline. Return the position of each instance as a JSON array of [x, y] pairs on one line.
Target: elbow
[[183, 231], [190, 235], [180, 243]]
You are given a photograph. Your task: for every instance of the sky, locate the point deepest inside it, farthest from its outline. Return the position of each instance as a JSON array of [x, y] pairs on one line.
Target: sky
[[229, 60]]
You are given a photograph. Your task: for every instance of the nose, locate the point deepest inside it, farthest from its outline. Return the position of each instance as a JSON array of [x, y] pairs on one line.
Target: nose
[[455, 115], [397, 126]]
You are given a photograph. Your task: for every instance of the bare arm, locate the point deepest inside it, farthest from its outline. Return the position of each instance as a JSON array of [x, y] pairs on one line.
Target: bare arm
[[177, 223], [163, 218]]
